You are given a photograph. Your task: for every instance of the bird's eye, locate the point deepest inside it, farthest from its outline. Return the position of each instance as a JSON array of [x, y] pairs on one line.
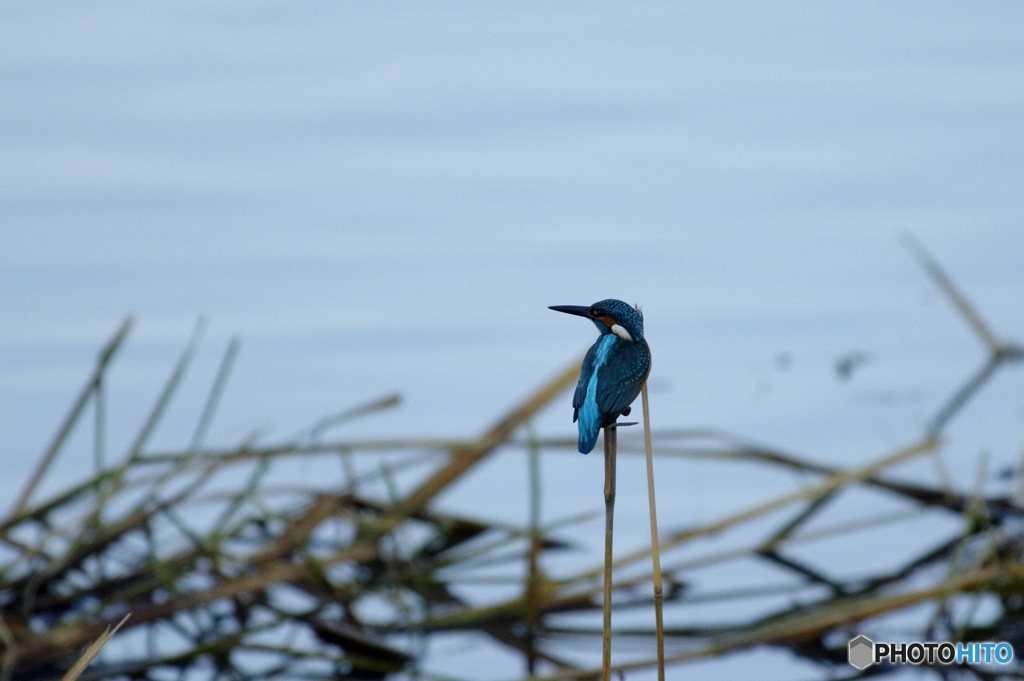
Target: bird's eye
[[598, 312]]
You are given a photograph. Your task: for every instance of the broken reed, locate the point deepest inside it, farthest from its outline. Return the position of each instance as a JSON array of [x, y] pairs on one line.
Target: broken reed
[[140, 537]]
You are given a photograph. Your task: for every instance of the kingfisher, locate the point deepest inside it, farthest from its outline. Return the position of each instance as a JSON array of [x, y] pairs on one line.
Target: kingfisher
[[613, 370]]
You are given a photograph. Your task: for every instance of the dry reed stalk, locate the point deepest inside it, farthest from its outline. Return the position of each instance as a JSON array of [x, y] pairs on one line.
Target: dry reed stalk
[[252, 546], [534, 603], [216, 391], [559, 601], [609, 525], [312, 433], [498, 434], [999, 351], [949, 289], [838, 479], [804, 624], [834, 482], [105, 356], [659, 594], [170, 388], [91, 652]]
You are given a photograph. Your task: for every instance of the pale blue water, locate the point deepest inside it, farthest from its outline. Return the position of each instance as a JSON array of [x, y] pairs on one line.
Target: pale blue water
[[387, 197]]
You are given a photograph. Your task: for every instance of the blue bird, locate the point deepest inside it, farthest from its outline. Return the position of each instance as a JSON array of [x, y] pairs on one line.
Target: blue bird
[[614, 369]]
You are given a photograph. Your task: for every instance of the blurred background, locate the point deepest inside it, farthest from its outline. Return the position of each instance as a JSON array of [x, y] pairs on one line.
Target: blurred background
[[383, 197]]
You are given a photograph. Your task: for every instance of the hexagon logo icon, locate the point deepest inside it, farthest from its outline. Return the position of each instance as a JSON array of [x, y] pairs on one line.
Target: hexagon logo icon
[[861, 653]]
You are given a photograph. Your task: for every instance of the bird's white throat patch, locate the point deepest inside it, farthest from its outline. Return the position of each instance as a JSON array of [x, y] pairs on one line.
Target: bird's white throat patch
[[621, 332]]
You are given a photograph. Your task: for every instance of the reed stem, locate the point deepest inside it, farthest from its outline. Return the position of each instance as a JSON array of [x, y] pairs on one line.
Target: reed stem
[[609, 524], [533, 608], [659, 595]]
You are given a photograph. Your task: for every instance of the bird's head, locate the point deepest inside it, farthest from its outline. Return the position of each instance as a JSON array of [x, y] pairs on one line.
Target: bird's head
[[610, 316]]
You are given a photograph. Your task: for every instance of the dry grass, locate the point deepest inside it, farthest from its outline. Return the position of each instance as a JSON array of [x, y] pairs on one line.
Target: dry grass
[[253, 579]]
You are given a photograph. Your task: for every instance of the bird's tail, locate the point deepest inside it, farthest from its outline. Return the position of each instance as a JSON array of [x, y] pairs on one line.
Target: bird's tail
[[588, 437]]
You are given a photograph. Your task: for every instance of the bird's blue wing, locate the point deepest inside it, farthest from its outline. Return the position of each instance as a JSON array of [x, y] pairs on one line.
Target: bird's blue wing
[[586, 370], [589, 416], [620, 378]]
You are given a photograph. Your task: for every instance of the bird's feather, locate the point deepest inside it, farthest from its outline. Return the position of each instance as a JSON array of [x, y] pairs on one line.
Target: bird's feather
[[620, 377], [581, 388], [610, 379]]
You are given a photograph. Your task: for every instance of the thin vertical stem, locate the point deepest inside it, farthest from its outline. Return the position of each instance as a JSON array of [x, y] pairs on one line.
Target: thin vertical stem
[[533, 606], [958, 299], [99, 454], [213, 399], [609, 524], [135, 451], [106, 355], [100, 427], [659, 596]]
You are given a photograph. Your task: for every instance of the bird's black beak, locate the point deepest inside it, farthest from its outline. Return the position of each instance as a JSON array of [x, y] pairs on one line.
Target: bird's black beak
[[578, 310]]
